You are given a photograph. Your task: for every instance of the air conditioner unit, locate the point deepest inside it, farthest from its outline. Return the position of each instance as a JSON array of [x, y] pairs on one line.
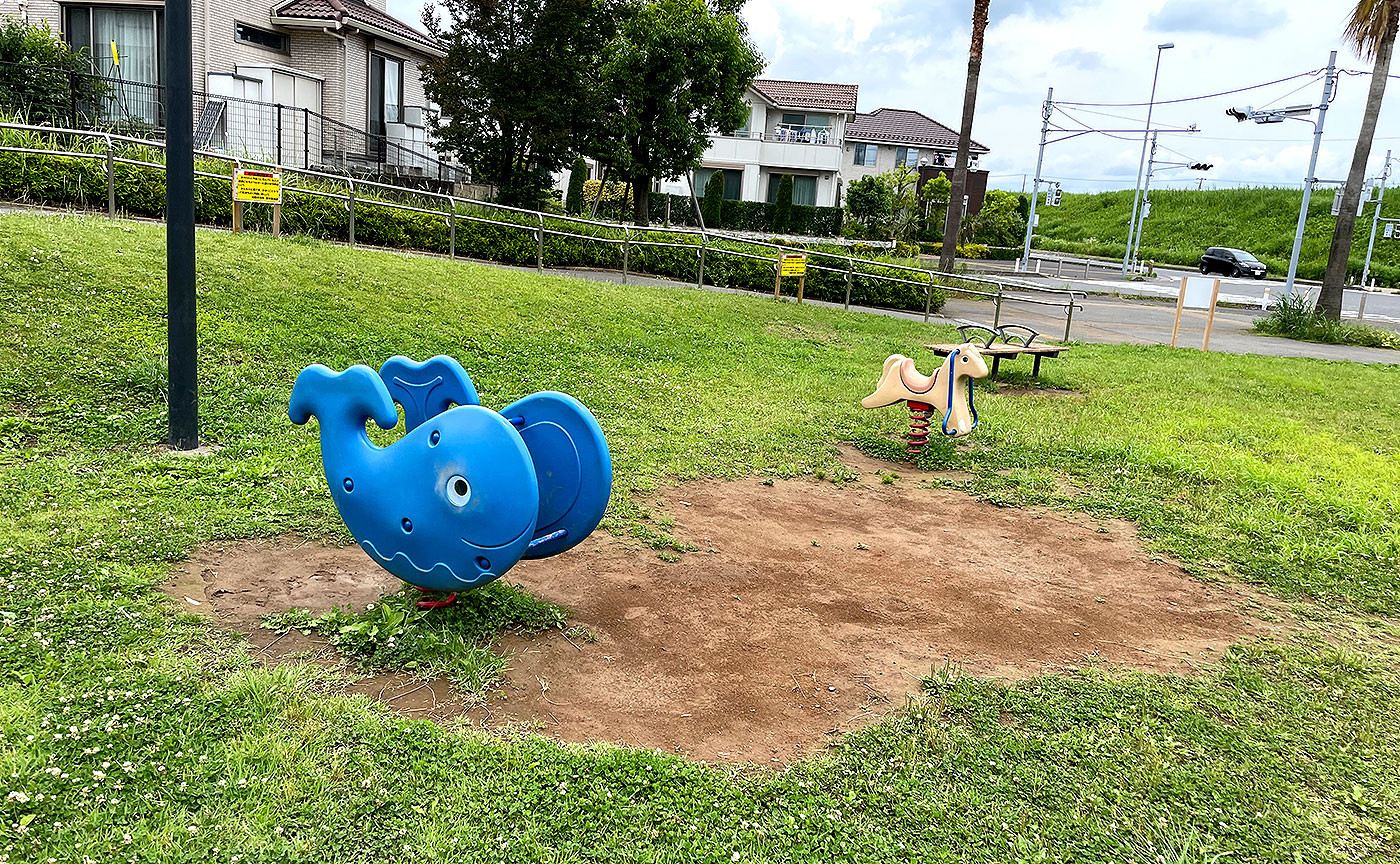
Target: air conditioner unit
[[413, 116]]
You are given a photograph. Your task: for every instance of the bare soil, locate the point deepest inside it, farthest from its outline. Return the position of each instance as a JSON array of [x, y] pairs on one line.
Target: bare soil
[[809, 609]]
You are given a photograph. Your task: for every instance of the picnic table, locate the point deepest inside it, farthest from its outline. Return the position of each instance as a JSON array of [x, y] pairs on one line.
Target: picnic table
[[1009, 341]]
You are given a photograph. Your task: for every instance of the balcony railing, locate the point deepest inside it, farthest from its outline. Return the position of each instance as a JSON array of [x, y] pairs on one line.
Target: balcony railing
[[788, 134]]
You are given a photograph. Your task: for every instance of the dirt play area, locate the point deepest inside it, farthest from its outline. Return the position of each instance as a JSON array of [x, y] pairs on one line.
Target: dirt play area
[[808, 610]]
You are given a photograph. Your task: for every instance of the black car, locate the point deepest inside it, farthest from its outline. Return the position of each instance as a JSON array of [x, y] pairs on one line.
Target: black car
[[1231, 262]]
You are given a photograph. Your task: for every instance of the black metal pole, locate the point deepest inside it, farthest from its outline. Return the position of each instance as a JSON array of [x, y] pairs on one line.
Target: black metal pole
[[179, 226]]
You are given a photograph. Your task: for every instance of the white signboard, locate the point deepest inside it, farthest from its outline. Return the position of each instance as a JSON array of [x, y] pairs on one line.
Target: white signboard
[[1197, 293]]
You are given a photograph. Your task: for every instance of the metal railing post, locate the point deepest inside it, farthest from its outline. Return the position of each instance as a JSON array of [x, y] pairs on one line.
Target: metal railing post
[[928, 298], [279, 133], [111, 181], [1361, 307], [850, 268], [700, 276], [452, 230], [350, 205], [626, 251], [996, 318], [1069, 316], [306, 137], [539, 248]]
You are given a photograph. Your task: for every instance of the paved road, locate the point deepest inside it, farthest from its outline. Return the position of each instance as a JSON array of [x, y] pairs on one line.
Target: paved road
[[1382, 309]]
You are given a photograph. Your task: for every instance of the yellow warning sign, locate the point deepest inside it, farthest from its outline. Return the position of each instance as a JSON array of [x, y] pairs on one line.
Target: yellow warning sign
[[794, 265], [262, 187]]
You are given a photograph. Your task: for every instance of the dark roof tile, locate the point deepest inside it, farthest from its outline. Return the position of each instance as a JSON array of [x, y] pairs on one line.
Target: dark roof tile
[[808, 94], [356, 11], [898, 126]]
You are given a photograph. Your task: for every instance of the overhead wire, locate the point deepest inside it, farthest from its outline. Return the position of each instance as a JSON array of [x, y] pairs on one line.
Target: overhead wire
[[1313, 74]]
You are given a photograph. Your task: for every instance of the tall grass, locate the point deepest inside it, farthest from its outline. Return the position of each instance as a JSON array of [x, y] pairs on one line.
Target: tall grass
[[1185, 222], [1294, 317]]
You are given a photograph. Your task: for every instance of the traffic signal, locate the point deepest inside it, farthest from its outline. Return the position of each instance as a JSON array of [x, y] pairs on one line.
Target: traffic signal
[[1053, 195], [1240, 116], [1200, 166]]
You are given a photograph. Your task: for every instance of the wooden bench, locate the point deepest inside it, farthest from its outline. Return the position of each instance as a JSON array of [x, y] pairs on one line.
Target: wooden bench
[[1015, 340]]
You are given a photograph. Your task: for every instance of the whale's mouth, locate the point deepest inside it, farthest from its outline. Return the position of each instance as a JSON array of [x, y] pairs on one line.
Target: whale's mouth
[[478, 575]]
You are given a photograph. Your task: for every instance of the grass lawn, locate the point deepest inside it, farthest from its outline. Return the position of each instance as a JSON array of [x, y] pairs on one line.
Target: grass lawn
[[131, 732]]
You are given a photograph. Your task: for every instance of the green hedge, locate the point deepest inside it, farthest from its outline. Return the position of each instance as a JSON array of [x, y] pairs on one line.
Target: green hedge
[[753, 216], [80, 182]]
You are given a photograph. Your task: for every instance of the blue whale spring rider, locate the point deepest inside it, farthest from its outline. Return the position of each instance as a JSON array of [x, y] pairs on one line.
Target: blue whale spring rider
[[467, 492]]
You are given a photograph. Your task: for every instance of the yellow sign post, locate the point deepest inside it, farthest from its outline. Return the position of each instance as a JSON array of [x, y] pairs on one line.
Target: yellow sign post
[[791, 265], [257, 187]]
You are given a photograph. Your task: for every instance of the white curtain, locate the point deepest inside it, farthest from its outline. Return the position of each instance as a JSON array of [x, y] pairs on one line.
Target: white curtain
[[133, 32], [804, 191]]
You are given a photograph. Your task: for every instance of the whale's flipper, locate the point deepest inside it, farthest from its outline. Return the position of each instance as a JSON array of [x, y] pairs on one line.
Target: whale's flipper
[[427, 389], [572, 464]]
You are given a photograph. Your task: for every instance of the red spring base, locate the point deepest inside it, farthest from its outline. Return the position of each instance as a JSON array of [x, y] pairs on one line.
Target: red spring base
[[436, 604], [919, 417]]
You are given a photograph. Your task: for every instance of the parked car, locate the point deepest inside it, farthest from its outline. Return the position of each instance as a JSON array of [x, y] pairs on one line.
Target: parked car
[[1232, 262]]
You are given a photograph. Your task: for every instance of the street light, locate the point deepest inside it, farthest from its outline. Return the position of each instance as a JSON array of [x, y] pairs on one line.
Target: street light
[[1297, 112], [1142, 161]]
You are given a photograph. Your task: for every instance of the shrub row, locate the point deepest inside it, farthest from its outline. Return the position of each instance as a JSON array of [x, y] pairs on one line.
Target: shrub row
[[81, 182], [754, 216]]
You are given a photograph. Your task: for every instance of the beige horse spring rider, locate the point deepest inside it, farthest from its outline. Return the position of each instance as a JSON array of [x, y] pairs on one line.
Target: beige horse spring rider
[[949, 390]]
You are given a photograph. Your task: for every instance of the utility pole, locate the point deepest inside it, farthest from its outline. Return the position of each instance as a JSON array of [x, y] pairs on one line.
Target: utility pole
[[181, 331], [1137, 181], [1046, 110], [1327, 88], [1136, 233], [1375, 222]]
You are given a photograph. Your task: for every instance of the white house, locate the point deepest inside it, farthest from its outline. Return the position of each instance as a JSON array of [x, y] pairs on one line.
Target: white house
[[794, 128], [307, 82]]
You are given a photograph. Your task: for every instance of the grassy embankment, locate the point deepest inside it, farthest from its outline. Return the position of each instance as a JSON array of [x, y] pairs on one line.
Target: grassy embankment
[[133, 732], [1185, 222]]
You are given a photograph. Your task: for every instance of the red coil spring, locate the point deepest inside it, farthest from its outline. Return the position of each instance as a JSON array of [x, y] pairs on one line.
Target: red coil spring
[[920, 414], [436, 604]]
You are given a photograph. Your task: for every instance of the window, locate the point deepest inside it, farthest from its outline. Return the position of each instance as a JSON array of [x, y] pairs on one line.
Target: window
[[804, 189], [385, 92], [733, 182], [866, 153], [261, 38], [907, 157], [124, 45]]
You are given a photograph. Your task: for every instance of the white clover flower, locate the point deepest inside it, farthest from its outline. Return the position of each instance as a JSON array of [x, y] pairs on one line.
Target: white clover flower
[[17, 797]]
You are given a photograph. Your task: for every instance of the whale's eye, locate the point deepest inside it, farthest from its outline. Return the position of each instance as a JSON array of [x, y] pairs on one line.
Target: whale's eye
[[459, 491], [407, 526], [349, 485], [434, 438]]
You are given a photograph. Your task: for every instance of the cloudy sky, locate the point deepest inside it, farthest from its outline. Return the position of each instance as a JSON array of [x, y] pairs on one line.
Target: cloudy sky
[[913, 54]]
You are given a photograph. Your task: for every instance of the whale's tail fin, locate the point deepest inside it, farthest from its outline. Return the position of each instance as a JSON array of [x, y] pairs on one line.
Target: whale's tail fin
[[427, 389], [342, 401]]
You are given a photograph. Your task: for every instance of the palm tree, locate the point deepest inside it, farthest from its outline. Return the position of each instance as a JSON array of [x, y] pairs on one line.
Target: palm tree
[[1371, 30], [952, 224]]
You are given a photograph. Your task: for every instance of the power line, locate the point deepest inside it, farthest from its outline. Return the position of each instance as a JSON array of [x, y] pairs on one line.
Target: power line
[[1312, 74]]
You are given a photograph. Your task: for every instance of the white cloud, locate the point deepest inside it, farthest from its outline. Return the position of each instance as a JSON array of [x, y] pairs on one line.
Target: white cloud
[[913, 54]]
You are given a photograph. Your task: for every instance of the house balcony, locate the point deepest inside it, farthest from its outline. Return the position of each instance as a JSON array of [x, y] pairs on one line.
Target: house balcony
[[754, 148]]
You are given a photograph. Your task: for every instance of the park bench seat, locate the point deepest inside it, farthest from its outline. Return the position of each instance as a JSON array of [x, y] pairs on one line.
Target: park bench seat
[[1009, 341]]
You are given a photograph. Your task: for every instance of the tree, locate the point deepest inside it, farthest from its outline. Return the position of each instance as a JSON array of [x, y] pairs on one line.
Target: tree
[[999, 222], [903, 183], [42, 80], [573, 203], [515, 90], [952, 226], [675, 71], [782, 207], [869, 203], [1371, 30], [712, 207], [937, 192]]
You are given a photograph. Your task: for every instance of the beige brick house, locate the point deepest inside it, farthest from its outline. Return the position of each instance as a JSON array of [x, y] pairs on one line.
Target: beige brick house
[[302, 81]]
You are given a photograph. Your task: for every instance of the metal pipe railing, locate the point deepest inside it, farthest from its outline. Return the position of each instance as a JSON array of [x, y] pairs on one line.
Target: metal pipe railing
[[708, 241]]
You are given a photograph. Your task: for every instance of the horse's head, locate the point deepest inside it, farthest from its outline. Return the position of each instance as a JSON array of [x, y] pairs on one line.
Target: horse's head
[[968, 362]]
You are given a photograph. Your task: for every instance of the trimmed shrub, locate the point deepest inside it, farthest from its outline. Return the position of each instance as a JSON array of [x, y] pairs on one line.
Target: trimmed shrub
[[712, 208], [782, 208], [573, 204]]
